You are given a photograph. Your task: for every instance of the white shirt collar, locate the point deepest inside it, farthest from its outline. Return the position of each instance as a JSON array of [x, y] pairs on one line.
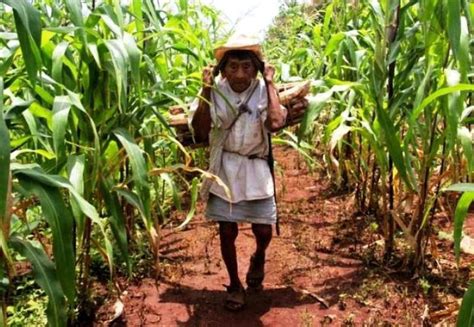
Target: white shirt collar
[[239, 97]]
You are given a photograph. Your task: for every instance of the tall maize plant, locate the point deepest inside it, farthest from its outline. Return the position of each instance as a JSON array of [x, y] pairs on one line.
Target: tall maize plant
[[83, 95], [392, 105]]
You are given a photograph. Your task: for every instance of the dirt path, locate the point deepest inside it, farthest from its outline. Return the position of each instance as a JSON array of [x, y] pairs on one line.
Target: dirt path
[[314, 271]]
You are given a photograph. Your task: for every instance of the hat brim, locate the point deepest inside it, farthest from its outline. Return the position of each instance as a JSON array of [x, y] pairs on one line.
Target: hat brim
[[255, 48]]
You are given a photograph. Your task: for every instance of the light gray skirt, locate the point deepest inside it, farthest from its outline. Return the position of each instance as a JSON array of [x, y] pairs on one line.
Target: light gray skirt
[[255, 211]]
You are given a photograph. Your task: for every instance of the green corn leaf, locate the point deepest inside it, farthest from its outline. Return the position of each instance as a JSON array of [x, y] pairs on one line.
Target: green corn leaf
[[459, 216], [117, 220], [6, 64], [32, 126], [75, 12], [134, 54], [316, 104], [76, 166], [118, 13], [46, 154], [44, 94], [58, 57], [75, 100], [174, 190], [60, 220], [112, 25], [183, 48], [46, 276], [181, 31], [454, 24], [333, 43], [338, 136], [162, 120], [452, 113], [463, 56], [136, 201], [16, 143], [94, 51], [41, 112], [4, 162], [460, 187], [328, 16], [61, 108], [135, 155], [35, 173], [420, 93], [374, 136], [441, 92], [466, 312], [192, 210], [469, 10], [465, 138], [152, 15], [378, 15], [28, 26], [393, 145], [120, 61], [137, 11]]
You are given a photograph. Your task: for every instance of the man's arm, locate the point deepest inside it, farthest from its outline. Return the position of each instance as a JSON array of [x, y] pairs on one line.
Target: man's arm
[[276, 115], [202, 117]]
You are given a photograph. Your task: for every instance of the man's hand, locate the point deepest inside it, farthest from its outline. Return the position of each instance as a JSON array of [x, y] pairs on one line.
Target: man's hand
[[298, 106], [276, 117], [207, 78], [202, 117], [268, 73]]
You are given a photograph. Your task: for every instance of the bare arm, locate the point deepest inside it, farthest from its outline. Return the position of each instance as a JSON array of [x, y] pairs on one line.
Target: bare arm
[[202, 117], [276, 115]]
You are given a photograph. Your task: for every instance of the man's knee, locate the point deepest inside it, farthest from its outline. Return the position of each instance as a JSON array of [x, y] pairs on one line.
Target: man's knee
[[228, 231]]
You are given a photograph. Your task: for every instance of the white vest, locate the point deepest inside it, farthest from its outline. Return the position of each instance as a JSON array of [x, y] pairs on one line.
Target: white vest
[[246, 178]]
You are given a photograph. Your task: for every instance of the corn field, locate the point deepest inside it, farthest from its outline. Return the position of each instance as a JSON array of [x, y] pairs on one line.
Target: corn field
[[90, 168], [393, 105]]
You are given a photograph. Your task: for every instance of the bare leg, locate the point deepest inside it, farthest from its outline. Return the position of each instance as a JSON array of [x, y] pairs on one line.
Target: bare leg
[[263, 236], [256, 272], [228, 233]]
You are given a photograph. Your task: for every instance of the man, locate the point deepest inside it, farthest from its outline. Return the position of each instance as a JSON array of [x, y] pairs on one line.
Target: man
[[236, 115]]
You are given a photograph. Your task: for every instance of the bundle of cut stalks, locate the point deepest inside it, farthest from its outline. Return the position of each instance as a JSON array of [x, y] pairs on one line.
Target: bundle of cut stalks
[[289, 94]]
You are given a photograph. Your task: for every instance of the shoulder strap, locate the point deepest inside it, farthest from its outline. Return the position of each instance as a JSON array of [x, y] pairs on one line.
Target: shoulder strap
[[243, 106]]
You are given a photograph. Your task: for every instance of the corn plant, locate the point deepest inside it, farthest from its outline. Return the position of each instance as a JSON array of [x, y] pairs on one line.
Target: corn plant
[[82, 124], [392, 103]]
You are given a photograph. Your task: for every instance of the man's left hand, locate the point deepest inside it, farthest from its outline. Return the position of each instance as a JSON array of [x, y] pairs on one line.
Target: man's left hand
[[268, 73], [298, 106]]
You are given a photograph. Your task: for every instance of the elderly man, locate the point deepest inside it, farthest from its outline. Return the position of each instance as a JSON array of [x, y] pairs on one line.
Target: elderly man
[[236, 114]]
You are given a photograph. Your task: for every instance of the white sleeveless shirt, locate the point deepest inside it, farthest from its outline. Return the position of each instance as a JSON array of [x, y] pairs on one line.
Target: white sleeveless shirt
[[247, 178]]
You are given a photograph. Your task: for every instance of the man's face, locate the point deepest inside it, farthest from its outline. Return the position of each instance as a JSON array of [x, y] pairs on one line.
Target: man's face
[[239, 73]]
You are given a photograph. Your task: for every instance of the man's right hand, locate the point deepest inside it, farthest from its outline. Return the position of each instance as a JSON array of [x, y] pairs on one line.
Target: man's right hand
[[202, 117], [207, 78]]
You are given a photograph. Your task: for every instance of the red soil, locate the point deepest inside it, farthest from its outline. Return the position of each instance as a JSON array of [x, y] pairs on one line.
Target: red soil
[[321, 270]]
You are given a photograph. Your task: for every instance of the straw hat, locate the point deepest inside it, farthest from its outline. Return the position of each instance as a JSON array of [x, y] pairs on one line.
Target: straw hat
[[240, 42]]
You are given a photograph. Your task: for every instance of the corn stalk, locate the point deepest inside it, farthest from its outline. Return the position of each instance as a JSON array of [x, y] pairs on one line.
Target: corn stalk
[[398, 131], [87, 86]]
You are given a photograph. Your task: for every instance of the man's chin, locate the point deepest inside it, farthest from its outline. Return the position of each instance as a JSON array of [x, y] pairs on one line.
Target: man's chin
[[239, 88]]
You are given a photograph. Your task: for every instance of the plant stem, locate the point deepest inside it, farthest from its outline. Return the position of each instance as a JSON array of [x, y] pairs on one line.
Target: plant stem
[[393, 31]]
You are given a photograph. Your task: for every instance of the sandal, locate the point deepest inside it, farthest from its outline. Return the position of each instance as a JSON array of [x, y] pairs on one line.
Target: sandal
[[256, 273], [235, 299]]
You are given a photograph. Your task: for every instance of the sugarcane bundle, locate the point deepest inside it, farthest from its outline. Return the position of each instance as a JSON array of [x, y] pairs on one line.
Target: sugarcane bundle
[[290, 94]]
